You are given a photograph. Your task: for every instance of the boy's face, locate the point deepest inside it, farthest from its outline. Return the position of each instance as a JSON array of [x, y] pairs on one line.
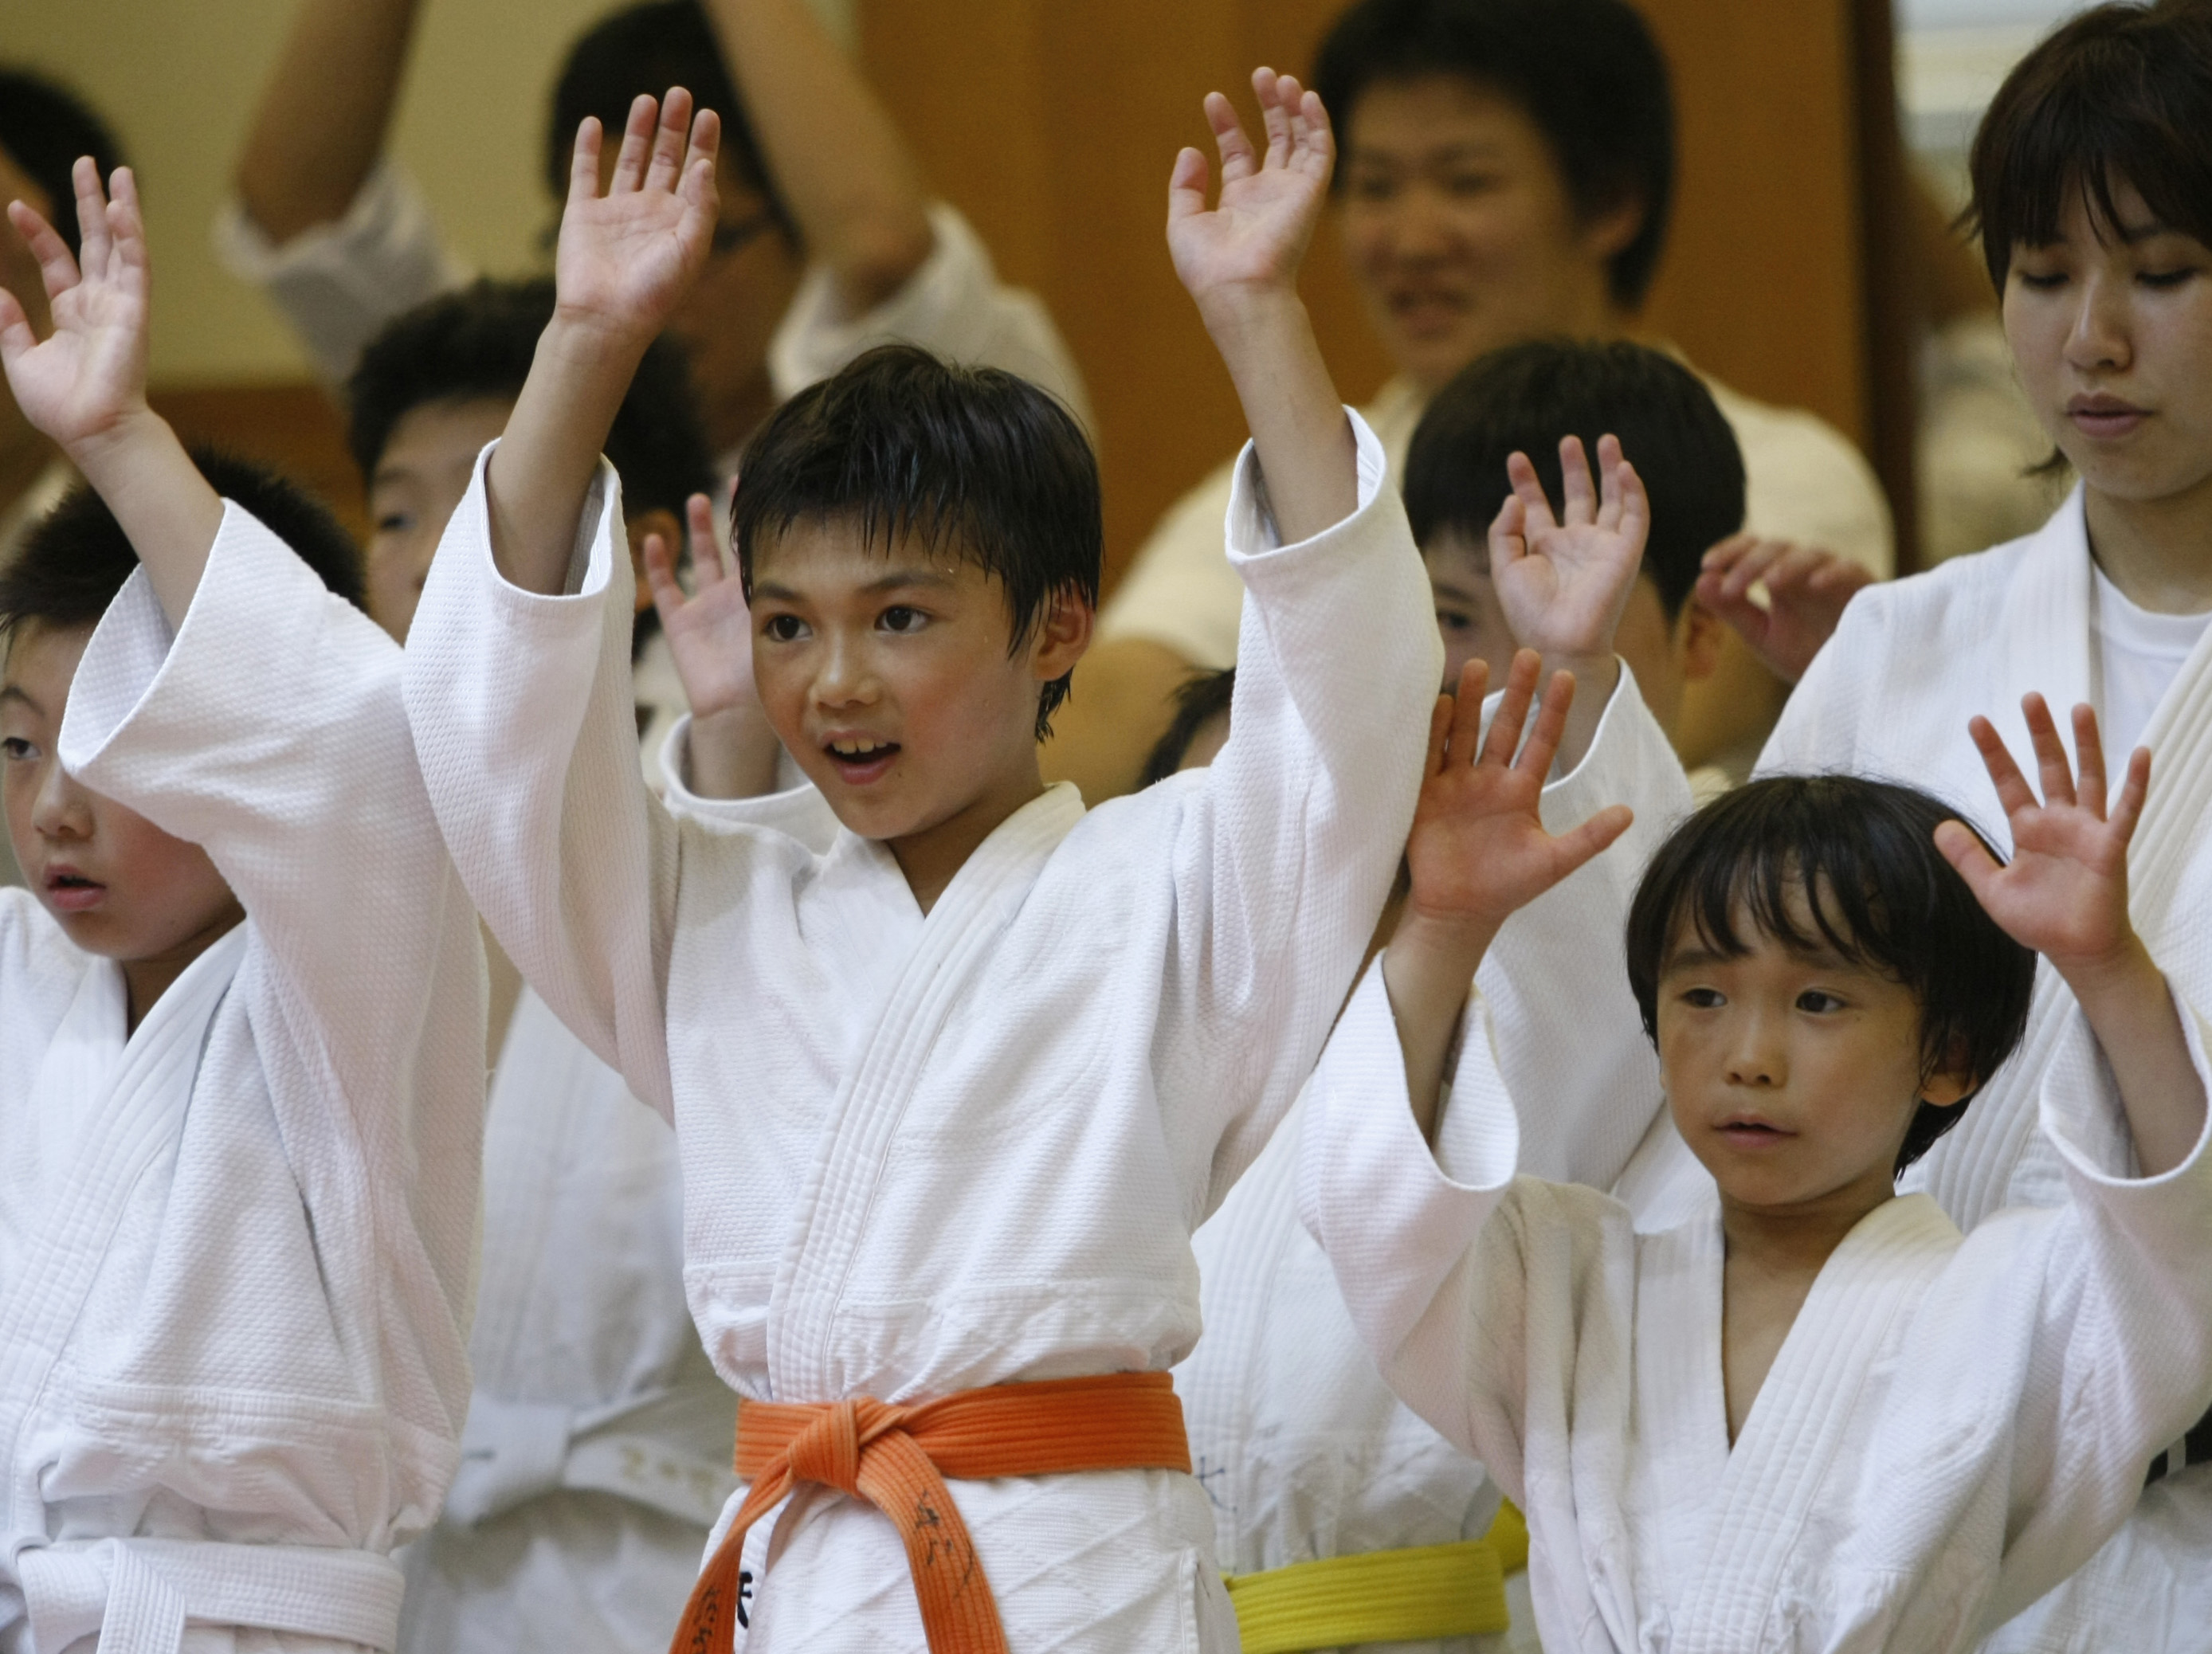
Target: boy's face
[[117, 884], [2110, 327], [888, 677], [420, 477], [1666, 655], [1793, 1076], [1460, 229]]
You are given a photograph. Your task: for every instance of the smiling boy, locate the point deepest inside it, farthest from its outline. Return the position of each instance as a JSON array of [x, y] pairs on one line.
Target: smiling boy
[[950, 1095], [1811, 1415]]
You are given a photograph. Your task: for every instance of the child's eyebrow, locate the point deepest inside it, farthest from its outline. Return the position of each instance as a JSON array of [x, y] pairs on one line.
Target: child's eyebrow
[[16, 692], [1697, 958]]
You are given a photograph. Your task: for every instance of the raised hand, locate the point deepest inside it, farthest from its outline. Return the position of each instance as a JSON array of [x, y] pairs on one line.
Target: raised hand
[[1806, 590], [626, 257], [87, 378], [1478, 849], [1254, 238], [2065, 891], [709, 629], [1564, 580]]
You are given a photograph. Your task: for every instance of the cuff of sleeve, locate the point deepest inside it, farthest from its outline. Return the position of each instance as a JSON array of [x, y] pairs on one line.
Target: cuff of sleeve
[[2083, 1116], [1251, 529], [1630, 759], [595, 573], [796, 809]]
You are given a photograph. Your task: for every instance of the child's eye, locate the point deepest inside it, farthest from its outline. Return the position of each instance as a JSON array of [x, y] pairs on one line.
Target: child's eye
[[1817, 1001], [901, 618], [2040, 281], [1704, 998], [783, 629], [1373, 187], [1467, 184], [2164, 278], [14, 747], [394, 522], [1450, 620]]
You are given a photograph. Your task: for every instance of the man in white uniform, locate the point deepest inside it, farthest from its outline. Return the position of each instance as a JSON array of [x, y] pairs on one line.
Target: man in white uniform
[[1508, 169], [241, 1043]]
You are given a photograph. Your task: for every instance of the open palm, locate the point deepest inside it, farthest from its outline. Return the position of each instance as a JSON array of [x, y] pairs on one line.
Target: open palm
[[1255, 236], [83, 380], [626, 257], [1807, 591], [1564, 580], [1478, 849], [709, 629], [2065, 891]]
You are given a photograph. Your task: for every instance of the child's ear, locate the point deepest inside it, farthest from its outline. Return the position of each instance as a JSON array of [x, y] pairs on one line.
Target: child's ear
[[1701, 633], [1952, 1084], [660, 520], [1063, 635]]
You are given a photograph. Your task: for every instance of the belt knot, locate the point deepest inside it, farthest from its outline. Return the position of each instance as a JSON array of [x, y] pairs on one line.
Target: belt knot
[[829, 1449]]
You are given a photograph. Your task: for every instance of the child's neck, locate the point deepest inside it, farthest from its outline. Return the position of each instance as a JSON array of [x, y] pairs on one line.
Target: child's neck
[[145, 980], [931, 857], [1774, 1257]]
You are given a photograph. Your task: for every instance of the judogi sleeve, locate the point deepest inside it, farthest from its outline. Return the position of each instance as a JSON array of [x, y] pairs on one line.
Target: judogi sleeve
[[523, 715], [339, 283], [269, 729], [954, 305], [1283, 858], [1461, 1278], [2119, 1363]]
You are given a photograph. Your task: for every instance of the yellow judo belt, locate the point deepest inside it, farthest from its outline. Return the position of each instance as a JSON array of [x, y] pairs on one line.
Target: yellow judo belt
[[1383, 1596]]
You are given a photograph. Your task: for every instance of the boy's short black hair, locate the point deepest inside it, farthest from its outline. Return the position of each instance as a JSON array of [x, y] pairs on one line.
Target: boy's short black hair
[[45, 127], [1880, 893], [1199, 702], [1589, 73], [646, 49], [973, 459], [73, 562], [480, 341], [1526, 396], [2120, 95]]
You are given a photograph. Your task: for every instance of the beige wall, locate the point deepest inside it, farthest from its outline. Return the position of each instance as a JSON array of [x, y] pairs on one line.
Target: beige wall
[[178, 79]]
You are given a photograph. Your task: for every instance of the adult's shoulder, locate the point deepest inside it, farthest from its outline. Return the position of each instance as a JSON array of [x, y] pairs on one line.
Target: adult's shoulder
[[1806, 481]]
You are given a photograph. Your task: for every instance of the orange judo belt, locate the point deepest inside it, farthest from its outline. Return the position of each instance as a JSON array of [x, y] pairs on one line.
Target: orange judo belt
[[898, 1459]]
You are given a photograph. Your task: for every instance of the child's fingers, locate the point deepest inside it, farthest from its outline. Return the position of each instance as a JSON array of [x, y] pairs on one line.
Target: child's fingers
[[1633, 521], [1749, 569], [637, 145], [1512, 714], [1316, 139], [1467, 714], [2127, 809], [707, 566], [16, 334], [2089, 756], [1963, 851], [1508, 541], [1235, 149], [1543, 743], [2051, 761], [57, 271], [1274, 119], [1187, 185], [1585, 843], [1577, 494], [699, 160], [1529, 488], [1726, 554], [665, 169], [1440, 723], [660, 579], [2013, 793], [91, 216], [584, 161], [1609, 466]]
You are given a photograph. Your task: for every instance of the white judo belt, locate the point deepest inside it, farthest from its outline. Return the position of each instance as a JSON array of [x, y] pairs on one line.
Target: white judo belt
[[136, 1595], [515, 1451]]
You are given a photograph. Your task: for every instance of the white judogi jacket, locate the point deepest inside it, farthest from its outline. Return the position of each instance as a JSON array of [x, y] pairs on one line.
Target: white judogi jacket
[[1302, 1449], [923, 1154], [1950, 1428], [1890, 696], [236, 1246]]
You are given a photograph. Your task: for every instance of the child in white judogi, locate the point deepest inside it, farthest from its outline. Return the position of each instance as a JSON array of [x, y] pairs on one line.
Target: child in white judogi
[[241, 1042], [1810, 1416], [2107, 306], [950, 1096]]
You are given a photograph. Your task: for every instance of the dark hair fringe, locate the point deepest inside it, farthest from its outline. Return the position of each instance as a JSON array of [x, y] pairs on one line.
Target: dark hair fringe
[[1199, 701], [72, 564], [1589, 73], [2120, 95], [1527, 397], [643, 49], [974, 461], [44, 127], [1861, 854]]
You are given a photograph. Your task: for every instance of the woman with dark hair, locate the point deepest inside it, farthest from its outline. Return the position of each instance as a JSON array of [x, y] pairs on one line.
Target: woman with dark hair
[[2093, 193]]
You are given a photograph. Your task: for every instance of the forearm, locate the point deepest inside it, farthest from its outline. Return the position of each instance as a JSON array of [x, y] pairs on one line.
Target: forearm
[[166, 509], [324, 114], [1304, 442], [1428, 968], [839, 163], [543, 468], [731, 755], [2130, 1009], [1596, 677]]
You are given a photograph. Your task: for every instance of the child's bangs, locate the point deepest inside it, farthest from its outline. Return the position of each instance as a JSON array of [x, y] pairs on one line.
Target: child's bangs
[[1805, 903]]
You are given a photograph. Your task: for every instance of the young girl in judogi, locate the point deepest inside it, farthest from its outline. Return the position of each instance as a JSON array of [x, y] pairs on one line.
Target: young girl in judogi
[[1810, 1416], [2093, 189], [952, 1093], [241, 1042]]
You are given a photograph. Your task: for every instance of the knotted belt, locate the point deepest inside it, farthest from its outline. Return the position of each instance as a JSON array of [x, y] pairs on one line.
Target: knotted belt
[[898, 1459]]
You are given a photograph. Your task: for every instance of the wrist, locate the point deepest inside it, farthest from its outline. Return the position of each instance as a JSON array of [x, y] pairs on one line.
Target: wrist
[[2120, 975], [1452, 943], [112, 451], [1243, 317]]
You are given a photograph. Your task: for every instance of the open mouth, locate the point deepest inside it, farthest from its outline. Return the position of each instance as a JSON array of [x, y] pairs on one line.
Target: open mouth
[[71, 891], [859, 759]]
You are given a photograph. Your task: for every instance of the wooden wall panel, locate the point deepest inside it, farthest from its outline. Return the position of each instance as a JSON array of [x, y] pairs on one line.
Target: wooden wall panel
[[1053, 123]]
